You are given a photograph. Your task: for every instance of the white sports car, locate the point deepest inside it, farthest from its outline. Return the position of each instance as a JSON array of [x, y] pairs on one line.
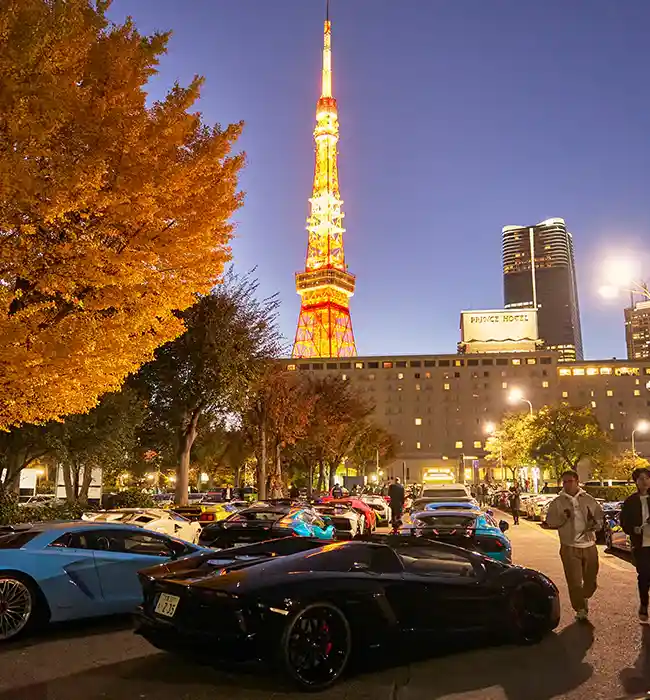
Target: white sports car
[[156, 519], [379, 505], [347, 521]]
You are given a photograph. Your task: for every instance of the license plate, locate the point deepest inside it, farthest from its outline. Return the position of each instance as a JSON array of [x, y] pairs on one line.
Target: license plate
[[167, 604]]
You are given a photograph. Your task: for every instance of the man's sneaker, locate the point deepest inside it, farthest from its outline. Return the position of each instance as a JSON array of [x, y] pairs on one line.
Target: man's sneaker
[[643, 614], [582, 615]]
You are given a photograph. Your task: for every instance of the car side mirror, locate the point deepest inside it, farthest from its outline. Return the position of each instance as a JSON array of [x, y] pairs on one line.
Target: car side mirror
[[503, 526]]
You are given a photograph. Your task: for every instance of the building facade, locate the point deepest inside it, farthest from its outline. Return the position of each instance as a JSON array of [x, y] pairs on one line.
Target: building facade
[[539, 271], [440, 407], [637, 331]]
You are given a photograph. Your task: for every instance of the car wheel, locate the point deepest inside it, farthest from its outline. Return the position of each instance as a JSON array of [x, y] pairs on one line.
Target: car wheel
[[18, 606], [315, 646], [530, 613]]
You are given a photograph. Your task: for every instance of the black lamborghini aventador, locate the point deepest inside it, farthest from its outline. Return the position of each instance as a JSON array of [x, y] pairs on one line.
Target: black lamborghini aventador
[[306, 606]]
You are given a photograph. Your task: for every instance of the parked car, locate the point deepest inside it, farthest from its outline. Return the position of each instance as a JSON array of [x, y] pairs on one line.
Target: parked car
[[358, 505], [613, 533], [469, 529], [155, 519], [51, 572], [347, 522], [305, 608], [379, 505], [263, 521]]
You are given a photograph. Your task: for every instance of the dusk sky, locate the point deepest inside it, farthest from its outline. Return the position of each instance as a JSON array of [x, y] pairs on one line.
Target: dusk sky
[[457, 117]]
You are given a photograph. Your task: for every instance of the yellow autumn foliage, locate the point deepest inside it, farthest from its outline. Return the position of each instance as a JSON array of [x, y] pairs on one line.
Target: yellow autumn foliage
[[113, 213]]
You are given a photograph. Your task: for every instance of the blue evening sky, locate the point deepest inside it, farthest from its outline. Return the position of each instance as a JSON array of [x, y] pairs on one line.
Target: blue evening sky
[[457, 117]]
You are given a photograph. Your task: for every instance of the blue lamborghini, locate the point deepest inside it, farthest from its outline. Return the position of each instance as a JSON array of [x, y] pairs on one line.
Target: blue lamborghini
[[68, 570]]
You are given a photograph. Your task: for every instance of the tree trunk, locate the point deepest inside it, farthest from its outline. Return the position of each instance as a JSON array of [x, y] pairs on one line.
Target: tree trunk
[[310, 478], [183, 470], [67, 481], [321, 476], [85, 483], [261, 463], [276, 475]]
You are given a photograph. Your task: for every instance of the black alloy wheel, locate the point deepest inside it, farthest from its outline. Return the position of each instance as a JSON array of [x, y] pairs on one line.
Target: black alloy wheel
[[18, 605], [529, 611], [315, 646]]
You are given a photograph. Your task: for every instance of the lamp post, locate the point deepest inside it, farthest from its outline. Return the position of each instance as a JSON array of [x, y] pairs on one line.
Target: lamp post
[[517, 396], [641, 427]]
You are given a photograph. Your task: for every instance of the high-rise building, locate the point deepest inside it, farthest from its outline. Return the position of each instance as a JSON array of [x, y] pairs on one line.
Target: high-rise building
[[549, 284], [325, 286], [637, 331]]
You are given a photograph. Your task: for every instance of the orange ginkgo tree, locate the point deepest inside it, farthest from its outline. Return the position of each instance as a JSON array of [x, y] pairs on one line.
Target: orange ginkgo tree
[[114, 213]]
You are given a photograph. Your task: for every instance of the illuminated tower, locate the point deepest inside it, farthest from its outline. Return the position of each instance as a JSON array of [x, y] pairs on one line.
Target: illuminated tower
[[325, 287]]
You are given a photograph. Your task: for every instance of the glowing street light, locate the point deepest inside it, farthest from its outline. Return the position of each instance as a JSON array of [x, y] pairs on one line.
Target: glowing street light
[[622, 275], [490, 428], [517, 396], [641, 427]]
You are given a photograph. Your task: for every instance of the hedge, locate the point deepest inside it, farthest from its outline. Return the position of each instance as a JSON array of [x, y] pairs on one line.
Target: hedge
[[611, 493]]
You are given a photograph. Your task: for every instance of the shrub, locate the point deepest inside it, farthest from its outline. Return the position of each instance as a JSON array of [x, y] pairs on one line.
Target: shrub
[[611, 493], [129, 498], [9, 510]]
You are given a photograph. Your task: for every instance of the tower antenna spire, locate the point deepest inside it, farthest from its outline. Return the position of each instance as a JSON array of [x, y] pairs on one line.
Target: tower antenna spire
[[327, 10]]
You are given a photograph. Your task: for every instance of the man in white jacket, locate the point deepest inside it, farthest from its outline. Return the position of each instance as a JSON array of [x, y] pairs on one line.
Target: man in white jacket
[[577, 517]]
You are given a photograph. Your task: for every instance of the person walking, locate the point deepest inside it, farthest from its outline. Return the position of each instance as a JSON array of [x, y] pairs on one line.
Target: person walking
[[515, 504], [577, 517], [396, 495], [635, 523], [337, 491]]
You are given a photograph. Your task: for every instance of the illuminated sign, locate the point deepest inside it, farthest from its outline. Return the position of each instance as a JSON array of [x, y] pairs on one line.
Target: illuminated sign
[[498, 326]]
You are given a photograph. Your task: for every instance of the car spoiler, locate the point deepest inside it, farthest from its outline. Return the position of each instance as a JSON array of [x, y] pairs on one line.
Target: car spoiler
[[10, 529]]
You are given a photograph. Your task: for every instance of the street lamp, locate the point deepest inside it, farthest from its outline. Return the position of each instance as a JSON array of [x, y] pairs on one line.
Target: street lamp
[[517, 396], [622, 275], [641, 427]]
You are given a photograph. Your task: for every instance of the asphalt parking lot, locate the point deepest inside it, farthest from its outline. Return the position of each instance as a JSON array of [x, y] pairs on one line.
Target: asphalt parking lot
[[607, 659]]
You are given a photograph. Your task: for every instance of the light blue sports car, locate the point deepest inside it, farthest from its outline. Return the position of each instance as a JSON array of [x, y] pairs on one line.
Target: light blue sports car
[[50, 572]]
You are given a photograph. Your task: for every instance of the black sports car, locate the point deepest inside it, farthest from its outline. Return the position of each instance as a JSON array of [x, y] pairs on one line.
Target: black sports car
[[305, 607]]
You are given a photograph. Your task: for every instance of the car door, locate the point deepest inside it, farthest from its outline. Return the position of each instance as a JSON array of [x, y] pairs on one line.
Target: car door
[[119, 554], [444, 590], [75, 588]]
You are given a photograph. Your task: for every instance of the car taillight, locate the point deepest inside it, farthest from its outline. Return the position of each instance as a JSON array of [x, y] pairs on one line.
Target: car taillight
[[205, 517]]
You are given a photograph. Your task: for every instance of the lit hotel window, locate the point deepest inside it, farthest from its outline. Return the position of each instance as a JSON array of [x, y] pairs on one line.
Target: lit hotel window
[[504, 385], [291, 368], [610, 392], [605, 370], [344, 377], [579, 372], [611, 426], [637, 392], [446, 386], [371, 375], [358, 365], [387, 365], [516, 362], [459, 444], [531, 361], [418, 421], [400, 375], [417, 446], [593, 404], [592, 370], [545, 385], [565, 394], [418, 387], [427, 375], [565, 372], [477, 444]]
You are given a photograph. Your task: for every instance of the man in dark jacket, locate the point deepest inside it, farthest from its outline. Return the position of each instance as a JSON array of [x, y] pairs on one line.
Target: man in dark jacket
[[635, 522], [515, 503], [396, 495]]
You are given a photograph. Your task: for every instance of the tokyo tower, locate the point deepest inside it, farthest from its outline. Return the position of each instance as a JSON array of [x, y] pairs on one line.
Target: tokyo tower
[[325, 287]]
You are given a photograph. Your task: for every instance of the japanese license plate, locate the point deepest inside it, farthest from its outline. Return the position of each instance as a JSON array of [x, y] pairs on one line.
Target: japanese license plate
[[167, 604]]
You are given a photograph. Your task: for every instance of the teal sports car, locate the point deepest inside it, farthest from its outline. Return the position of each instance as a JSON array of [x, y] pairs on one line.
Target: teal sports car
[[470, 529]]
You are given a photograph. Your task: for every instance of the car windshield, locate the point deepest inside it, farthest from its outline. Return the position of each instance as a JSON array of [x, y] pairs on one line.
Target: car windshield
[[450, 494], [256, 515]]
